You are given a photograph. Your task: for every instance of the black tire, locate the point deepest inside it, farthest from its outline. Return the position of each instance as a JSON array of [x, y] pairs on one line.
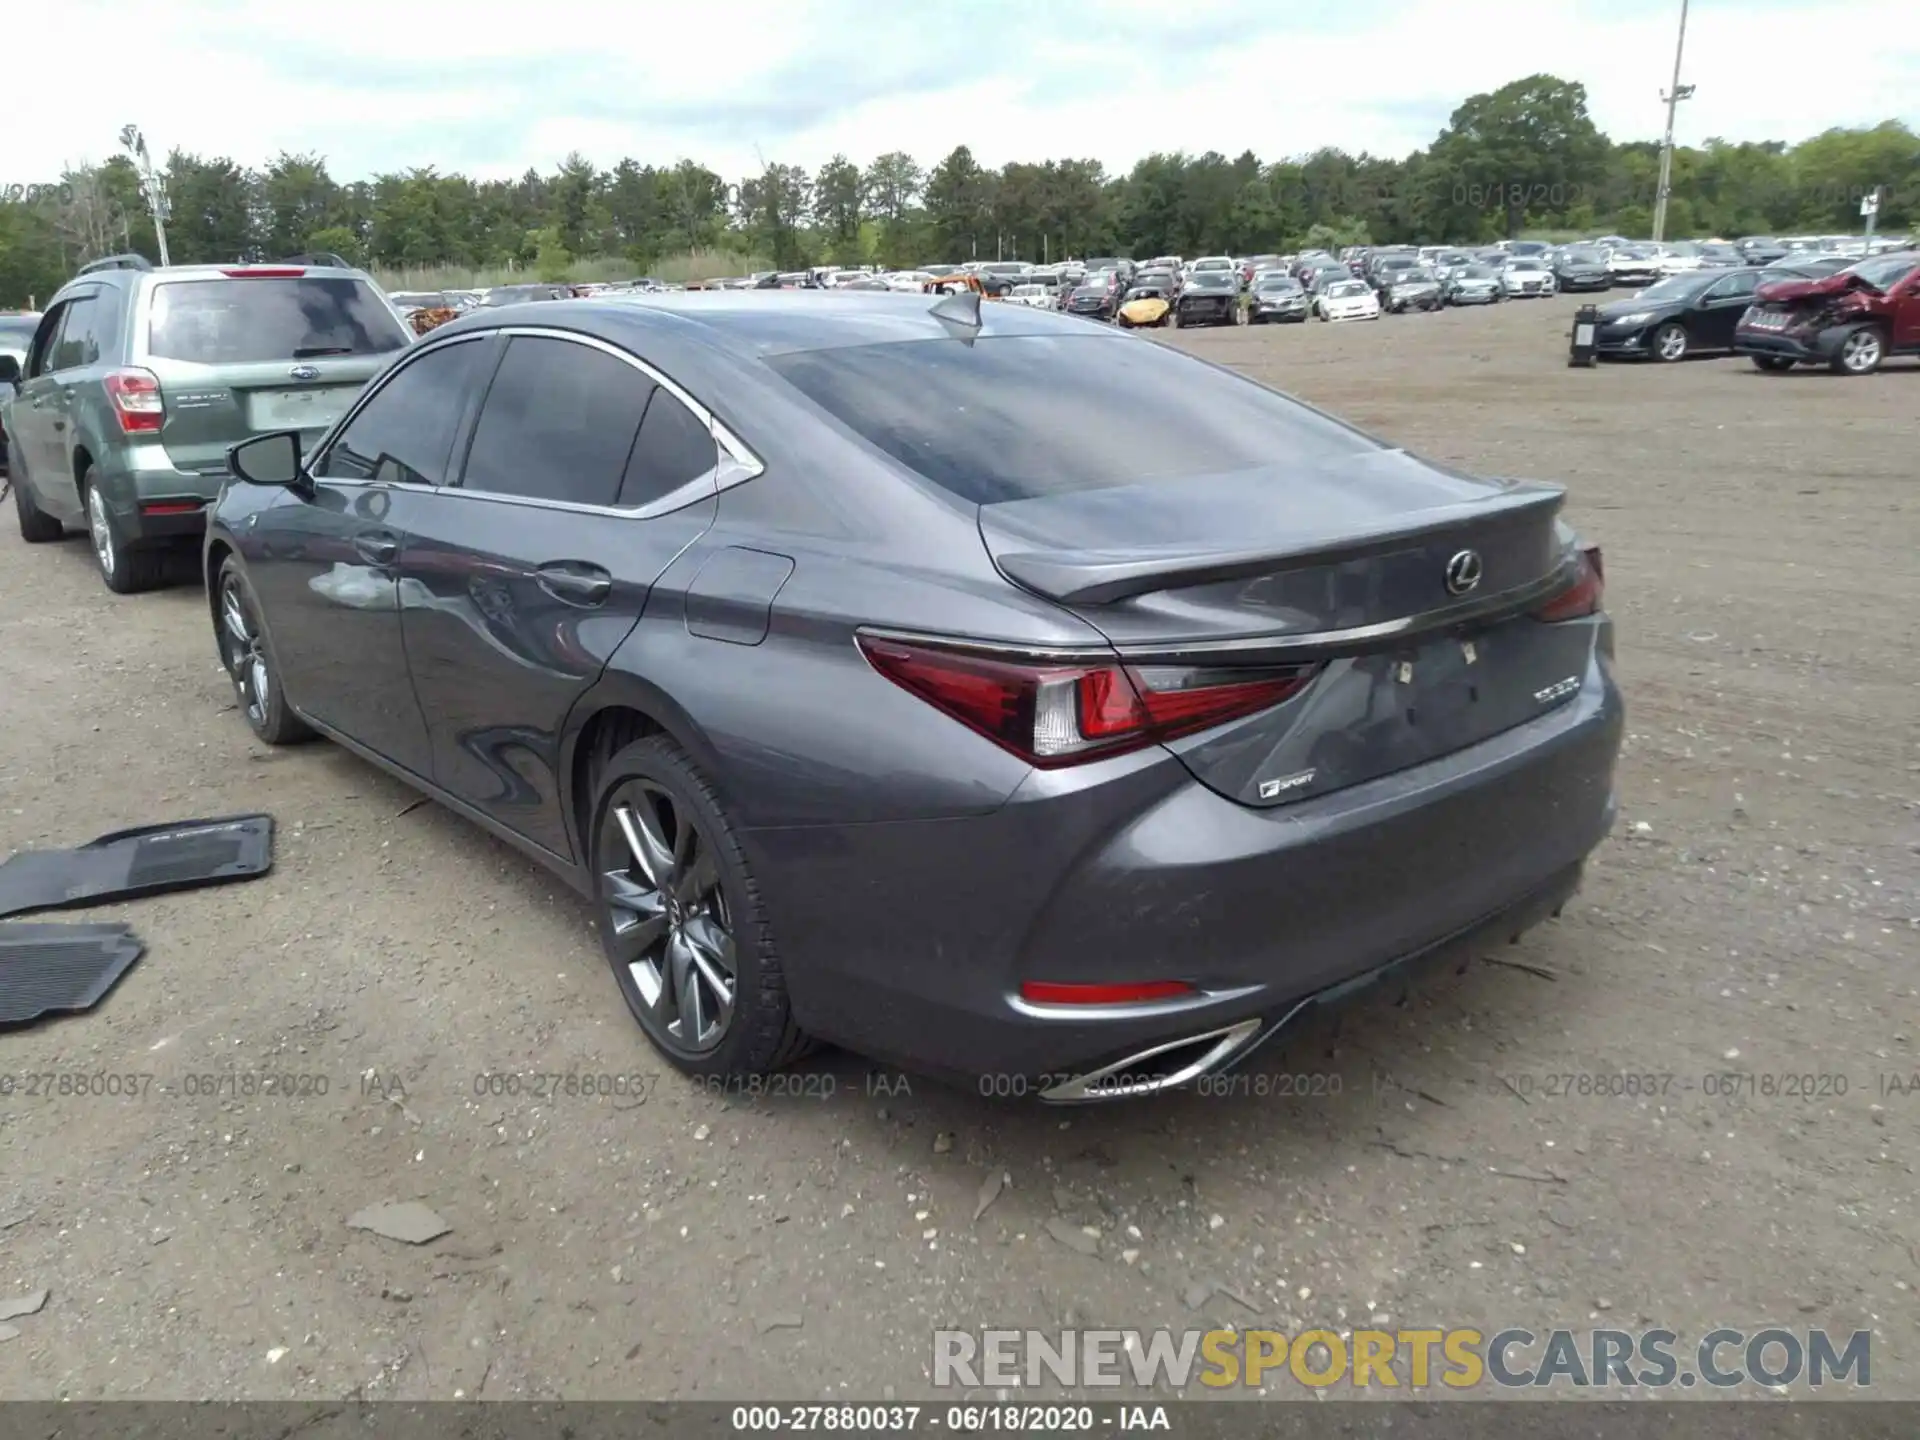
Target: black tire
[[247, 655], [36, 526], [1774, 364], [1670, 343], [716, 896], [125, 570], [1861, 352]]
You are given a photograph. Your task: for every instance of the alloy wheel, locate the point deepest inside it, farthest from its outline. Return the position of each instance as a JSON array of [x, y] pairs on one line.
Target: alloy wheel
[[1861, 352], [672, 930], [1671, 342], [100, 529], [246, 651]]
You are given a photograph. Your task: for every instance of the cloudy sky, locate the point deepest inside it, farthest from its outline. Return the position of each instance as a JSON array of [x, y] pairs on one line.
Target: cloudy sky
[[492, 90]]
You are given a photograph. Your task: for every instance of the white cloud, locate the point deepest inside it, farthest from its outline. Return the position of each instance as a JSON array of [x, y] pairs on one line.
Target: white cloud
[[380, 86]]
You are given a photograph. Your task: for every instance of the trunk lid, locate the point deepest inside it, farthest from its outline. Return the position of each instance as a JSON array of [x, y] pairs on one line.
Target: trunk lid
[[243, 353], [210, 407], [1347, 569]]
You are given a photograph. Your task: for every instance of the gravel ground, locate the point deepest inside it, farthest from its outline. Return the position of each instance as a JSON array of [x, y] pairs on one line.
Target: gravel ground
[[1757, 911]]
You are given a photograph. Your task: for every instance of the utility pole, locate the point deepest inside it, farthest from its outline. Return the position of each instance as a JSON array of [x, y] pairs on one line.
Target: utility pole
[[152, 187], [1672, 98], [1870, 207]]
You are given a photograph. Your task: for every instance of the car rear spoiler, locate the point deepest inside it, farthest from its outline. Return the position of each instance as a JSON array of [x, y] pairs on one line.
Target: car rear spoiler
[[1084, 577]]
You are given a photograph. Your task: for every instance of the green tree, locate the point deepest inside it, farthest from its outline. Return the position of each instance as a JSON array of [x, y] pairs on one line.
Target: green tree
[[839, 201], [552, 261], [296, 197], [959, 204], [337, 240], [1521, 155], [213, 210]]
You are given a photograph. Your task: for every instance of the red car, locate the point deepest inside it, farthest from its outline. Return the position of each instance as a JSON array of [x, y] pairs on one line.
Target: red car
[[1849, 321]]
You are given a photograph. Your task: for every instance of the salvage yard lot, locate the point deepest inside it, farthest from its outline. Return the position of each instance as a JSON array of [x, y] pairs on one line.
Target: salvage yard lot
[[1756, 915]]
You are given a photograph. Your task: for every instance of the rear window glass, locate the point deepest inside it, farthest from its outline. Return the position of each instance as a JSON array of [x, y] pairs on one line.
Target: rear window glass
[[1016, 416], [16, 335], [239, 322]]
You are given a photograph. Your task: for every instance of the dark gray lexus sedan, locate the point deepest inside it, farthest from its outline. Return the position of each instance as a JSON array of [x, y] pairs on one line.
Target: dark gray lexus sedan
[[1007, 697]]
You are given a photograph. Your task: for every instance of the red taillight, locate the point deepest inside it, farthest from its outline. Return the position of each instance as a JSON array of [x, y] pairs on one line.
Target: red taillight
[[171, 507], [136, 401], [1584, 596], [265, 272], [1042, 992], [1051, 713]]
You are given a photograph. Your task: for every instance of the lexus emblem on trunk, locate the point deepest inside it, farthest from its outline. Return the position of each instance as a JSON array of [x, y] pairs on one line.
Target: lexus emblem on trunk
[[304, 372], [1463, 572]]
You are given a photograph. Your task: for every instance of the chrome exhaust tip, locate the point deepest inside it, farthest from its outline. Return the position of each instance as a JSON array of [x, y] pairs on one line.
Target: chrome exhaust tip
[[1165, 1067]]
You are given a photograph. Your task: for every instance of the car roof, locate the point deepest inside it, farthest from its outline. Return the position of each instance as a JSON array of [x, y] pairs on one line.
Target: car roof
[[167, 274], [707, 339]]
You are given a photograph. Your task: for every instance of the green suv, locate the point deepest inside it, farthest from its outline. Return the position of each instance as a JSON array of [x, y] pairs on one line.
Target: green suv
[[137, 379]]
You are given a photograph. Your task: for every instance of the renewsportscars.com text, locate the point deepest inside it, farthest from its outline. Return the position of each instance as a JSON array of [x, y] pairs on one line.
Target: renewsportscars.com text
[[1458, 1358]]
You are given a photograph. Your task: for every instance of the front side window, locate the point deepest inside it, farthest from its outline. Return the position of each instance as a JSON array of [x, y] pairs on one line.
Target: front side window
[[558, 423], [1733, 286], [404, 433]]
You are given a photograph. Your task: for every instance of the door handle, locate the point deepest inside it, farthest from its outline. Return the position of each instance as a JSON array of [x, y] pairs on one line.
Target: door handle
[[379, 547], [572, 583]]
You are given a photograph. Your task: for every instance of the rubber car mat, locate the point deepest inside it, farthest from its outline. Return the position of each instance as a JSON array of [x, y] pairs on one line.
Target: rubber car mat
[[146, 861], [48, 968]]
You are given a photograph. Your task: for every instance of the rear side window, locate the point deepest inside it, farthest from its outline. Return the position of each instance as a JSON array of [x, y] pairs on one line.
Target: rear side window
[[77, 344], [675, 446], [246, 321], [558, 424], [405, 432], [1016, 416]]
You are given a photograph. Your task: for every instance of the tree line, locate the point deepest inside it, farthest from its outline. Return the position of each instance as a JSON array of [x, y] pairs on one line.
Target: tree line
[[1526, 157]]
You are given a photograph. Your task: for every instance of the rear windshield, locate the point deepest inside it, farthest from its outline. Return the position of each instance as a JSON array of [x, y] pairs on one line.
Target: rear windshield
[[16, 335], [238, 322], [1012, 417]]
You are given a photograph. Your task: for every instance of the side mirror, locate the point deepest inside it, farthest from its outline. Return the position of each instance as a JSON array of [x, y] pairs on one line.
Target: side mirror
[[9, 370], [268, 459]]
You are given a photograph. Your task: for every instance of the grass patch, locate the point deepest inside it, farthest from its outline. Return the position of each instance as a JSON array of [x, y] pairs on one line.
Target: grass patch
[[676, 269]]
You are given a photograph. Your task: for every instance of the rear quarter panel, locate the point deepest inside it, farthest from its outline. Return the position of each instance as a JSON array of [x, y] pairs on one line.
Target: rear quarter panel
[[798, 729]]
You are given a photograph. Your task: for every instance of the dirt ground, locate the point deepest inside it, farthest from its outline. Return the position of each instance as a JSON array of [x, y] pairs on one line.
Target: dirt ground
[[1757, 911]]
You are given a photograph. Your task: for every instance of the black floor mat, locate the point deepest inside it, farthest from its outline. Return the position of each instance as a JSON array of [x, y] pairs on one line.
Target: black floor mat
[[131, 863], [48, 968]]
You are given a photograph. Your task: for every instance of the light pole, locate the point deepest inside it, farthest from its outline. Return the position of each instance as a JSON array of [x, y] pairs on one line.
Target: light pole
[[152, 187], [1673, 98]]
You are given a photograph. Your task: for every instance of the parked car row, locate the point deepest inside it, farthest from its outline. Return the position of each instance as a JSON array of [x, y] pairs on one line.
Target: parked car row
[[1849, 319]]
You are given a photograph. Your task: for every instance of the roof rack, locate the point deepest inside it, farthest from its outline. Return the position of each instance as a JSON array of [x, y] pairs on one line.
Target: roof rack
[[322, 258], [117, 262]]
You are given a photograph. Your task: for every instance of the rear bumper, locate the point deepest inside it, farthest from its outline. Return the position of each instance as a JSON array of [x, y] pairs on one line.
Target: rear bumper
[[156, 502], [1149, 875]]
